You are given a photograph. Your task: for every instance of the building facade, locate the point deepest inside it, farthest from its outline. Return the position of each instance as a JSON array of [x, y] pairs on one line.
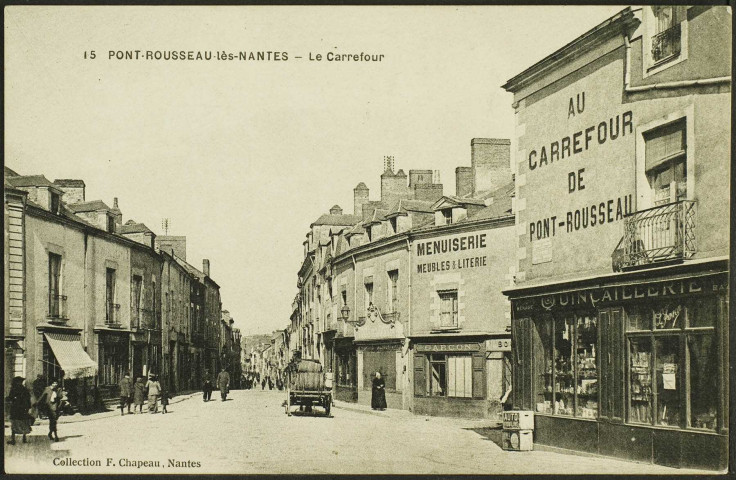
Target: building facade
[[620, 312]]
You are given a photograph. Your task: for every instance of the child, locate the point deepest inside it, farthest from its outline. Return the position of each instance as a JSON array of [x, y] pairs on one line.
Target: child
[[164, 400]]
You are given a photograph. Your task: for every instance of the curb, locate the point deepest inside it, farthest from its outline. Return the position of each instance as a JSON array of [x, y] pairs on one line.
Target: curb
[[388, 413], [64, 419]]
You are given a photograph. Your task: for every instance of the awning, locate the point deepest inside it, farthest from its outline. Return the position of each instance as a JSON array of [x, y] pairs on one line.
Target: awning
[[71, 357]]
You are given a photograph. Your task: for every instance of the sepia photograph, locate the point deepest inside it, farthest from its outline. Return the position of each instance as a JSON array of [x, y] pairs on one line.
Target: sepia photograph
[[325, 240]]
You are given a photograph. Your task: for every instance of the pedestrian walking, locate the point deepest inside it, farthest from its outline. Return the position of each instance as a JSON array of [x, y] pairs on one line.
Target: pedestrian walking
[[139, 394], [270, 383], [263, 383], [48, 403], [223, 382], [19, 400], [207, 386], [37, 388], [154, 391], [126, 393], [378, 393]]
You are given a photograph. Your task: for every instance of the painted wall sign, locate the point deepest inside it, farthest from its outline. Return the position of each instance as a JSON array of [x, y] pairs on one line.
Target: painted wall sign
[[452, 252], [542, 251], [499, 345], [600, 297], [444, 347], [448, 245]]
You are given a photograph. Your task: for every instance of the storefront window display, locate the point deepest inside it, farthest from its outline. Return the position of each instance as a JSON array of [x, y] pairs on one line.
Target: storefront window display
[[675, 383], [568, 385]]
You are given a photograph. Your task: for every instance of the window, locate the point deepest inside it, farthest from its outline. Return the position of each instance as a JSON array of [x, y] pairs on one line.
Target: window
[[368, 295], [55, 200], [666, 42], [394, 222], [110, 223], [437, 376], [110, 306], [567, 374], [344, 298], [447, 214], [673, 364], [113, 362], [448, 309], [136, 300], [55, 285], [393, 281], [665, 162]]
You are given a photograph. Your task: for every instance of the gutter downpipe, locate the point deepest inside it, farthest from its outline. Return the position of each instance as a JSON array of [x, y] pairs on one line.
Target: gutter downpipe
[[407, 340], [665, 85]]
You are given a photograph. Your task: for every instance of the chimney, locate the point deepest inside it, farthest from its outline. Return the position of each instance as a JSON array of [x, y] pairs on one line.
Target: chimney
[[360, 198], [73, 190], [394, 186], [463, 181], [117, 214], [336, 210], [419, 177], [206, 267], [490, 161]]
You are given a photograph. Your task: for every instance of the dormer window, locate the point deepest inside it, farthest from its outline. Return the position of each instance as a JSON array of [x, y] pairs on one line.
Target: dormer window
[[447, 214], [55, 202], [110, 224]]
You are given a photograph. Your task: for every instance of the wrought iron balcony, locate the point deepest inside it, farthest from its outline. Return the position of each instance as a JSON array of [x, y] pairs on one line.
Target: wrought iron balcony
[[659, 234], [112, 314], [666, 44], [57, 308]]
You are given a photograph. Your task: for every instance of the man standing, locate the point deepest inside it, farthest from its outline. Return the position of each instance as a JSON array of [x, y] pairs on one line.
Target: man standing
[[207, 386], [223, 382], [48, 403], [126, 393]]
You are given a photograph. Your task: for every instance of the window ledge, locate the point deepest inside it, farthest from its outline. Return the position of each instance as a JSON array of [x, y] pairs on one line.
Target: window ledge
[[663, 61], [445, 330]]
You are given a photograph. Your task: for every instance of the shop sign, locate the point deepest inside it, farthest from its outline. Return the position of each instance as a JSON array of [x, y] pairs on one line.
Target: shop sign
[[444, 347], [499, 345], [600, 297], [452, 252]]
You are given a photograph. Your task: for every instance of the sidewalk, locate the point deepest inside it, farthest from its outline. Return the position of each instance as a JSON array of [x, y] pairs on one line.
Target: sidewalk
[[78, 417]]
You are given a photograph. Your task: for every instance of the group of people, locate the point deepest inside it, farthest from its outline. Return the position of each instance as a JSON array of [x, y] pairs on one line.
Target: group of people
[[135, 393], [222, 383], [253, 379], [24, 408]]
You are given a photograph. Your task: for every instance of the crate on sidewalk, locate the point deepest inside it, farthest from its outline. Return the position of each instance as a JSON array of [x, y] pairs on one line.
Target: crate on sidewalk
[[518, 420], [517, 440]]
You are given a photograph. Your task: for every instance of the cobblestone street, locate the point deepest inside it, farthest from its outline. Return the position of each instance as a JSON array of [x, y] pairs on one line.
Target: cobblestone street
[[250, 433]]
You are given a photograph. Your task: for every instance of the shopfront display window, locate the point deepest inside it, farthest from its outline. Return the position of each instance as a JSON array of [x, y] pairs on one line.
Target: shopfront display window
[[673, 363], [568, 373]]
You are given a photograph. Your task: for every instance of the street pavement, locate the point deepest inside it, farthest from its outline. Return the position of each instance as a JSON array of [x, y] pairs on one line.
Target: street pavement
[[250, 434]]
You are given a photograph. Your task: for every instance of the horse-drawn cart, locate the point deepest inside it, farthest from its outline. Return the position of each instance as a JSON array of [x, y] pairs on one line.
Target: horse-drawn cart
[[307, 385]]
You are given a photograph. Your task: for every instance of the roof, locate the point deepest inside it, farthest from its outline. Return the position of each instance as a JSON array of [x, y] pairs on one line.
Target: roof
[[356, 230], [134, 228], [404, 205], [30, 181], [88, 206], [10, 173], [335, 219], [361, 186], [608, 27], [69, 182], [501, 205], [190, 269], [378, 216]]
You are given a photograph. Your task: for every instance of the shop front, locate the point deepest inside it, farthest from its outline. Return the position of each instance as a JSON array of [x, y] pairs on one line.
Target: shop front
[[632, 365], [382, 357], [450, 376], [113, 361], [346, 370], [65, 361]]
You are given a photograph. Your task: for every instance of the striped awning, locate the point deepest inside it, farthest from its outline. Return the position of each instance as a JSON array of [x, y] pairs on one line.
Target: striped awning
[[71, 356]]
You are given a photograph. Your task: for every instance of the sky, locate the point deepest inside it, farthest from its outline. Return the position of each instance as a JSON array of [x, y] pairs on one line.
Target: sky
[[241, 156]]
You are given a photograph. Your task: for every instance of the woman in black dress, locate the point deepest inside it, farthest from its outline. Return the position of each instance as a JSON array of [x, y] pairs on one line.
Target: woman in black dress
[[378, 397], [19, 399]]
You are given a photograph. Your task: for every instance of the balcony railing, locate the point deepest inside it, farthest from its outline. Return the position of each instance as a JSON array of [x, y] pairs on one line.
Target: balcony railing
[[659, 234], [112, 314], [666, 44], [57, 308]]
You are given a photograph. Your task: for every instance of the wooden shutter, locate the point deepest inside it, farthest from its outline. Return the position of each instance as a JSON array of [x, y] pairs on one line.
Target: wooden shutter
[[479, 390], [664, 143], [420, 377], [522, 363], [604, 368]]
